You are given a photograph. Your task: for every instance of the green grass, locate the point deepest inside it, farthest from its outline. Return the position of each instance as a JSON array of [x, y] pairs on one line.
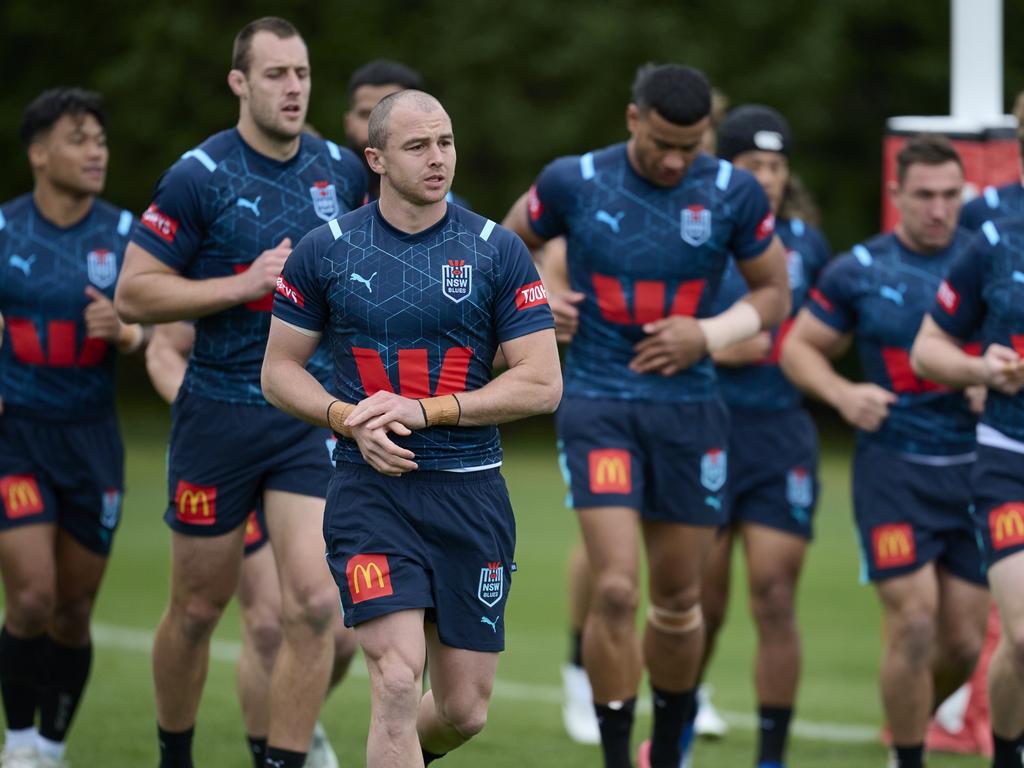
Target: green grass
[[840, 620]]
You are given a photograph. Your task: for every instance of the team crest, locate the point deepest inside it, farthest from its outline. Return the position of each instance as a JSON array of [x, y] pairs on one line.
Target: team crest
[[492, 584], [102, 267], [713, 466], [456, 279], [111, 512], [799, 487], [325, 200], [695, 225], [795, 265]]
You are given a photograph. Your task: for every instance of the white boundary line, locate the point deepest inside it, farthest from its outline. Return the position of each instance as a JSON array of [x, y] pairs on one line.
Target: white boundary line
[[140, 640]]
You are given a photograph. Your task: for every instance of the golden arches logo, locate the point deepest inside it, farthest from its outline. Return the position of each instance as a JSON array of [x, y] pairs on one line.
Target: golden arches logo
[[893, 545], [190, 501], [369, 576], [196, 504], [1006, 524], [367, 572], [610, 471], [21, 496]]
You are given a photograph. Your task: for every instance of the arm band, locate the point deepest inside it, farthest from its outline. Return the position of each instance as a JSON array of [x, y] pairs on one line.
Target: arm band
[[444, 411], [738, 323], [336, 418]]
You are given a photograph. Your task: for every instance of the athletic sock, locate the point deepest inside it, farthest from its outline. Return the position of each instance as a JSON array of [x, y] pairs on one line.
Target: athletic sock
[[576, 648], [1007, 752], [51, 749], [20, 738], [773, 731], [672, 711], [615, 720], [258, 748], [68, 673], [284, 758], [20, 678], [911, 756], [429, 757], [176, 748]]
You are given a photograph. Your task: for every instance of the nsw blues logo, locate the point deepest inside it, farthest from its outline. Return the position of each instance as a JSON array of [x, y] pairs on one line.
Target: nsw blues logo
[[492, 584], [713, 469], [799, 487], [111, 513], [325, 200], [456, 279], [695, 224], [102, 266], [795, 266]]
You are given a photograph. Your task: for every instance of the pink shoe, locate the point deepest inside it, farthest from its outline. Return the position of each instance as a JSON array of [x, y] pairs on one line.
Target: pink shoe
[[643, 755]]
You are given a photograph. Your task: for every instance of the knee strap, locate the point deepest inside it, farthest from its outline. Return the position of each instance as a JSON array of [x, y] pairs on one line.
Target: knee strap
[[675, 622]]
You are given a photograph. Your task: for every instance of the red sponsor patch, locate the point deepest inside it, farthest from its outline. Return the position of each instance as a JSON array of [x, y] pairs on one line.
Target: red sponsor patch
[[534, 205], [369, 576], [610, 471], [253, 530], [948, 298], [195, 504], [767, 226], [531, 295], [21, 496], [893, 545], [1006, 524], [821, 300], [289, 291], [160, 223]]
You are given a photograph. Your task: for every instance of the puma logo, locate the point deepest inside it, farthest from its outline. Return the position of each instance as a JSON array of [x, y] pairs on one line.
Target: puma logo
[[493, 624], [714, 502], [892, 294], [364, 280], [25, 265], [611, 221], [252, 205]]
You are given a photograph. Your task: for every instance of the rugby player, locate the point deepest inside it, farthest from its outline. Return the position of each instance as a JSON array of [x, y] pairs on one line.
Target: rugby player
[[915, 441], [996, 202], [211, 246], [61, 456], [649, 226], [416, 297]]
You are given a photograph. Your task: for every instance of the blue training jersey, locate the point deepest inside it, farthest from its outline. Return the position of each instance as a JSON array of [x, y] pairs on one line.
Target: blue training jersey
[[879, 292], [763, 386], [639, 253], [418, 314], [985, 292], [993, 203], [49, 369], [215, 211]]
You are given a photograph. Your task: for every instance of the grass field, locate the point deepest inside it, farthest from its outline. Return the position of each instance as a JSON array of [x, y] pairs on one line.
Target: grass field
[[116, 727]]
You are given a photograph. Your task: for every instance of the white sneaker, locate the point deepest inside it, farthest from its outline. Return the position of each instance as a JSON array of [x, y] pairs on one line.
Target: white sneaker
[[578, 706], [709, 724], [321, 754], [47, 761], [20, 757]]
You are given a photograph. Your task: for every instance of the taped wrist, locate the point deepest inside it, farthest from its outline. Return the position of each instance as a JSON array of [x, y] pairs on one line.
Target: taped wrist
[[444, 411], [337, 412], [738, 323], [675, 622]]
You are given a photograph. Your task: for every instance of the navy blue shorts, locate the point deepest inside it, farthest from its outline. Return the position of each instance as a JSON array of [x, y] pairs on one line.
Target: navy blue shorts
[[71, 475], [773, 470], [998, 491], [442, 541], [909, 514], [223, 456], [666, 460]]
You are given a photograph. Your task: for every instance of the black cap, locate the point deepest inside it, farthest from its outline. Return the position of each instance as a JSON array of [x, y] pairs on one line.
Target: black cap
[[753, 127]]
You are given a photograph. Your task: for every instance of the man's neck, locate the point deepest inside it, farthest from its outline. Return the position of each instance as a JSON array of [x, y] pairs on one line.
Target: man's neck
[[915, 247], [258, 140], [406, 216], [59, 207]]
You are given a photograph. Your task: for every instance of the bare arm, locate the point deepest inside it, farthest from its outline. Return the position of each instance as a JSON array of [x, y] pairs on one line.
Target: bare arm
[[768, 280], [937, 355], [167, 357], [518, 220], [748, 352]]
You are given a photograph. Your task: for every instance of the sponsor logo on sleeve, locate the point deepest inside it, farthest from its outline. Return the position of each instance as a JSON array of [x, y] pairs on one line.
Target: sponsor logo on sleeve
[[21, 496], [893, 545], [369, 576], [533, 204], [289, 291], [531, 295], [610, 471], [195, 504], [160, 223], [1006, 524], [766, 227], [948, 298]]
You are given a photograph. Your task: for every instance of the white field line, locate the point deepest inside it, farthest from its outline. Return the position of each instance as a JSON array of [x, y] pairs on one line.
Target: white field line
[[140, 640]]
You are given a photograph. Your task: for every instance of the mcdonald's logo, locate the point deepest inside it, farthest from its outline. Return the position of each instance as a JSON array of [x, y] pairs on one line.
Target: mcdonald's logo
[[369, 576], [253, 530], [610, 471], [893, 545], [21, 496], [1006, 523], [196, 504]]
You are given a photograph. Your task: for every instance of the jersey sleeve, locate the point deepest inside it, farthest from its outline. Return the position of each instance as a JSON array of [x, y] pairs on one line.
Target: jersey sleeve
[[173, 226], [521, 302], [959, 307], [299, 298], [832, 300], [975, 213], [550, 197], [754, 221]]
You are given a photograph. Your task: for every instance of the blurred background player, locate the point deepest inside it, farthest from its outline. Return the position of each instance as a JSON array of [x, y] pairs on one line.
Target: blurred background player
[[915, 441], [996, 202], [637, 376], [211, 246], [773, 444], [61, 457]]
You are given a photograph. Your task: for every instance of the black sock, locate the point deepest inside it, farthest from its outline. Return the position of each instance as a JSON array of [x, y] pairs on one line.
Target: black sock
[[68, 673], [616, 724], [258, 747], [429, 757], [175, 748], [20, 677], [576, 647], [911, 756], [1007, 751], [773, 731], [284, 758], [672, 711]]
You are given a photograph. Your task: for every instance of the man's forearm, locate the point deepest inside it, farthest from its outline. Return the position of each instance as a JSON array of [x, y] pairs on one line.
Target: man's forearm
[[943, 362], [160, 297], [772, 302], [811, 371], [287, 385], [519, 392]]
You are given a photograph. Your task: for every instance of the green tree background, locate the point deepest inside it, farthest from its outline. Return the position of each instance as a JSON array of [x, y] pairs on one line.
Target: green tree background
[[524, 82]]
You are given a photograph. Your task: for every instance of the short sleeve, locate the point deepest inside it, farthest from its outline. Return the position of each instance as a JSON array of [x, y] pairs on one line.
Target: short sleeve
[[832, 298], [521, 302], [754, 221], [977, 211], [959, 306], [173, 226], [550, 198], [299, 296]]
